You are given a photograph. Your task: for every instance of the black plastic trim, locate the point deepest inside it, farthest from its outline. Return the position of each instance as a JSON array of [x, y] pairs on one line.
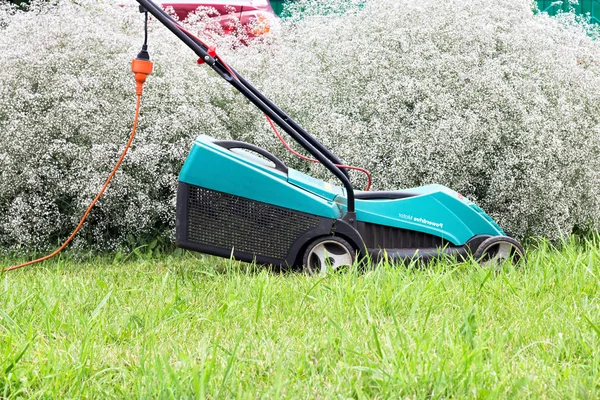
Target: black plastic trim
[[346, 230], [475, 241], [388, 237], [384, 195], [425, 254], [296, 252]]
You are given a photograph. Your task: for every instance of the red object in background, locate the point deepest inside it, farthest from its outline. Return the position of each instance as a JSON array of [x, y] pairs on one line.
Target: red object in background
[[255, 15]]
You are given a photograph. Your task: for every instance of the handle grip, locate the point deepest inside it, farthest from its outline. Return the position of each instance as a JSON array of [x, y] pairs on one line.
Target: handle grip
[[235, 144]]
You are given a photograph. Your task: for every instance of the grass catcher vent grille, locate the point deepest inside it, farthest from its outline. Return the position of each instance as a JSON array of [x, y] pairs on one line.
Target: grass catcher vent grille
[[231, 222], [387, 237]]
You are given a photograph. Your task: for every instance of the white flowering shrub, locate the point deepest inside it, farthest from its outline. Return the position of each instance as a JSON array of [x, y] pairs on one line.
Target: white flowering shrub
[[66, 108], [485, 97]]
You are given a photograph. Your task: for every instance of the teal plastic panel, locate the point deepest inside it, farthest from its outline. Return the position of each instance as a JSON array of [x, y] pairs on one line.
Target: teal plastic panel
[[439, 211], [435, 209], [315, 185], [591, 7]]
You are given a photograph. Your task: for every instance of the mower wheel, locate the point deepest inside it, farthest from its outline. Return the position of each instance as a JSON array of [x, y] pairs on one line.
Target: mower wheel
[[327, 254], [497, 249]]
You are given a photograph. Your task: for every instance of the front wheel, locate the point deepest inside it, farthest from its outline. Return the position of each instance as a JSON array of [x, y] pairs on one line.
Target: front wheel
[[497, 249], [327, 254]]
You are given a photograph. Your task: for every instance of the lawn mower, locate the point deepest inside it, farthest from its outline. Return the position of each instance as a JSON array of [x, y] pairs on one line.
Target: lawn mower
[[238, 200]]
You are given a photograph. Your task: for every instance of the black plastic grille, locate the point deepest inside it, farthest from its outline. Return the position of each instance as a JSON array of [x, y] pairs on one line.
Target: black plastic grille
[[232, 222], [387, 237]]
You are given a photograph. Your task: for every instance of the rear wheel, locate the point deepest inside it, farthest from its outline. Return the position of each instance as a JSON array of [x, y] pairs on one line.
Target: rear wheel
[[497, 249], [327, 254]]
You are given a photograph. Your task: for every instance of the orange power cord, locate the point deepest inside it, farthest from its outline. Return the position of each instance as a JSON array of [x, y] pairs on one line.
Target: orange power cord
[[141, 69]]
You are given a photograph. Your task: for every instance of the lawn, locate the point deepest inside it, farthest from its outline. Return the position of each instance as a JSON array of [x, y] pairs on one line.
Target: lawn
[[190, 326]]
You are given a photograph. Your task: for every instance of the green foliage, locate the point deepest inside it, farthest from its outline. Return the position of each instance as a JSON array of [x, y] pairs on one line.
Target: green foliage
[[20, 3], [184, 326]]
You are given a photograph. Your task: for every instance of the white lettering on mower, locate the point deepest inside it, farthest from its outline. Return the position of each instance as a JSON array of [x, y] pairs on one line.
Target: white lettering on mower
[[421, 221]]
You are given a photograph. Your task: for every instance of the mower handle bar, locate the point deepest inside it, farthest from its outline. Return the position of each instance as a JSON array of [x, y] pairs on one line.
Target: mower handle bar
[[291, 127]]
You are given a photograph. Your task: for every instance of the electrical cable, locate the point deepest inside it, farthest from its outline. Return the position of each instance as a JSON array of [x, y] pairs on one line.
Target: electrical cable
[[287, 146], [141, 67], [93, 203]]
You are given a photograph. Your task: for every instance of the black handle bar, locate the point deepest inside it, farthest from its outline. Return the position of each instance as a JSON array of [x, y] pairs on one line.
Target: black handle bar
[[234, 144]]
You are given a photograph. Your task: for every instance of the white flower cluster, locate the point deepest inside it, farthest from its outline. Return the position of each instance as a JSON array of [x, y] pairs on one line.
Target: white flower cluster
[[485, 97]]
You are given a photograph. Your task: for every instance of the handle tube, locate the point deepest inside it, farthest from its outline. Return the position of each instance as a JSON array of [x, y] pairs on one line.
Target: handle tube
[[234, 144]]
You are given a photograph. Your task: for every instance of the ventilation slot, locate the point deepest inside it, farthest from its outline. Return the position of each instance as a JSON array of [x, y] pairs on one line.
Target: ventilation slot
[[231, 222]]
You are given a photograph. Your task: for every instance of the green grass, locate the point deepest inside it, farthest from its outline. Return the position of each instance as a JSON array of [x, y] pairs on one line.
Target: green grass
[[192, 326]]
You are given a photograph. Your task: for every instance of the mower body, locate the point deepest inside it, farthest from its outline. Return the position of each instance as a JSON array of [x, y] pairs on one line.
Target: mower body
[[237, 200]]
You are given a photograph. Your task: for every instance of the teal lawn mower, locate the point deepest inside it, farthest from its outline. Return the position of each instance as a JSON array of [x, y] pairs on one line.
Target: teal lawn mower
[[238, 200]]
